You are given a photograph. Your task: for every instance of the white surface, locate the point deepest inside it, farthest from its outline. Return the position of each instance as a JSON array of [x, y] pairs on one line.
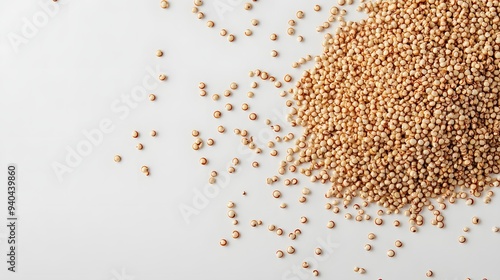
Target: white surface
[[108, 221]]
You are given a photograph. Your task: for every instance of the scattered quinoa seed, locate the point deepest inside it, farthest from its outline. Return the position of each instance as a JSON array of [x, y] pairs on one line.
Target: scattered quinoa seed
[[368, 247], [280, 254], [276, 194], [330, 224], [203, 161], [391, 253]]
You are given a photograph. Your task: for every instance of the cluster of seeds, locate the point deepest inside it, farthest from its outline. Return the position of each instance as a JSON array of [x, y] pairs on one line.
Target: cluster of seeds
[[246, 138], [139, 146], [302, 61], [402, 107], [211, 24], [232, 215], [291, 23], [152, 97], [336, 14]]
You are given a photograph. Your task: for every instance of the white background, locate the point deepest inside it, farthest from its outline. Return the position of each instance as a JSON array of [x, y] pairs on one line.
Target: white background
[[108, 221]]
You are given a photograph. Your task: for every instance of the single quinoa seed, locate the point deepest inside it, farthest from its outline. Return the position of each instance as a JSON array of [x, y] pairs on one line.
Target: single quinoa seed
[[391, 253], [280, 254], [203, 161], [368, 247], [462, 239]]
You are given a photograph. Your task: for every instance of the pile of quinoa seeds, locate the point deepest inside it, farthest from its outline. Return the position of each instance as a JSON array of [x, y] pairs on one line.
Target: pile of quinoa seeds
[[402, 108]]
